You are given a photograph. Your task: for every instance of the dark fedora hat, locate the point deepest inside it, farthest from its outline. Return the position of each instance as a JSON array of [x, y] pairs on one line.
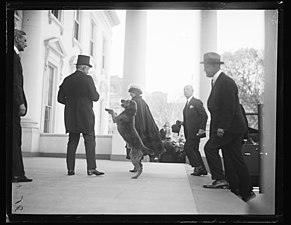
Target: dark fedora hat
[[135, 89], [176, 128], [211, 58], [83, 60]]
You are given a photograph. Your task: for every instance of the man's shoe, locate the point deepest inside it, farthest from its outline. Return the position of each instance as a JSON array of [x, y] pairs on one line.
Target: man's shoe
[[133, 170], [235, 191], [156, 159], [17, 179], [198, 171], [71, 172], [95, 172], [217, 184], [249, 196]]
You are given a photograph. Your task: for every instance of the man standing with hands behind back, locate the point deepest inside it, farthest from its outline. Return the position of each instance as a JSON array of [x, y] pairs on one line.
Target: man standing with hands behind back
[[19, 108], [77, 93], [227, 128]]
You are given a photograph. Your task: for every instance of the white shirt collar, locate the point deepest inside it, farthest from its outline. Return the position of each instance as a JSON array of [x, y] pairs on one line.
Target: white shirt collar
[[189, 99], [216, 75], [16, 50]]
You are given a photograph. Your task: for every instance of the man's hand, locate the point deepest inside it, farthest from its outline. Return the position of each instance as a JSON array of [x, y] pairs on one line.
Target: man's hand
[[200, 132], [22, 110], [220, 132]]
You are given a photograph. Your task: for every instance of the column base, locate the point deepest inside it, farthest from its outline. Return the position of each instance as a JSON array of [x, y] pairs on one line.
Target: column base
[[30, 137]]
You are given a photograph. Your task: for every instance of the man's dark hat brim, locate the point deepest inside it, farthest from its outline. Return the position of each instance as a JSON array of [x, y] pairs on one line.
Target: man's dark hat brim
[[83, 64]]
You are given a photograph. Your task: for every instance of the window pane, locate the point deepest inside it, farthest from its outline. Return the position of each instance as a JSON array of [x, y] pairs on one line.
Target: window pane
[[92, 30], [56, 13], [103, 62], [50, 86], [91, 48], [49, 99], [47, 116], [104, 46], [77, 15], [76, 33]]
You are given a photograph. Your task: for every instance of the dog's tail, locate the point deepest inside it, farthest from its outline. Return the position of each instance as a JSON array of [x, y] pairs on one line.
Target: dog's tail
[[147, 151]]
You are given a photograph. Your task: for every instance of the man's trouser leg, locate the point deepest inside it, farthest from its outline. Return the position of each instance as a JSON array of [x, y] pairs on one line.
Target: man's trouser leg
[[71, 150], [90, 145]]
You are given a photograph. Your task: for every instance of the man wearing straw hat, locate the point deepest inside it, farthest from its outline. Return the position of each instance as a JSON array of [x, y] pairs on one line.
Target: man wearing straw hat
[[227, 128]]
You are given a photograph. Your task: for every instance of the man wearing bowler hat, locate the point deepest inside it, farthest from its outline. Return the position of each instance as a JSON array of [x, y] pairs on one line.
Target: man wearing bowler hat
[[77, 93], [227, 128]]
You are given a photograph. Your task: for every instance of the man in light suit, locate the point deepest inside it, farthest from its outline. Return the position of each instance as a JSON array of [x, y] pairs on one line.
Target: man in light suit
[[194, 122], [227, 128], [77, 93], [19, 108]]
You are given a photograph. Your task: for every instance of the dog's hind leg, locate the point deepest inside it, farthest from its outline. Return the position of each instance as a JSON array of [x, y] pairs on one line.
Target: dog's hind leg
[[135, 158]]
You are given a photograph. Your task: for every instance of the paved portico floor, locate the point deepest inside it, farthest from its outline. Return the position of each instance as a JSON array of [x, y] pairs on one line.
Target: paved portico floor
[[163, 188]]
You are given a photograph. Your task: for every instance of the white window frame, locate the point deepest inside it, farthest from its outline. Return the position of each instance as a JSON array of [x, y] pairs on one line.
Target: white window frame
[[58, 21], [104, 54], [92, 38], [78, 22], [54, 56], [46, 97]]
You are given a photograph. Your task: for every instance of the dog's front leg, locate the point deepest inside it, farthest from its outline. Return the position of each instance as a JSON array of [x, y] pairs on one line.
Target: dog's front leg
[[112, 113], [114, 117]]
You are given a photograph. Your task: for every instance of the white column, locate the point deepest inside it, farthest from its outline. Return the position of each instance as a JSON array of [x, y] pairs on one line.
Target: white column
[[134, 67], [265, 203], [208, 43], [32, 59]]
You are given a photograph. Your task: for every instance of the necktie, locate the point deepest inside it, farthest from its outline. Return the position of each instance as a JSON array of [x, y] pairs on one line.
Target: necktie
[[18, 57], [212, 83]]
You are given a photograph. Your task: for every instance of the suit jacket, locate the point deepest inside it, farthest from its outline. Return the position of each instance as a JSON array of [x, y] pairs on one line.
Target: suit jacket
[[19, 95], [194, 118], [163, 134], [224, 107], [77, 93]]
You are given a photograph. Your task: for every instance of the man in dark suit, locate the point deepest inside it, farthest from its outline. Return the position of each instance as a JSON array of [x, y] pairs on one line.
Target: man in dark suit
[[19, 108], [227, 128], [194, 122], [77, 93], [165, 132]]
